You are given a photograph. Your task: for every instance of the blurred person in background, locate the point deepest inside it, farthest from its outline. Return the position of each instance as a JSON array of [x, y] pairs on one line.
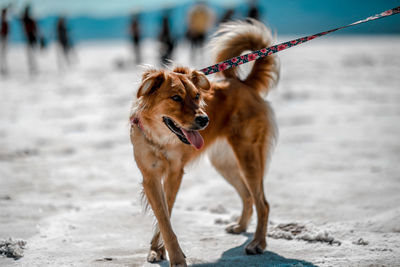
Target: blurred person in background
[[64, 42], [167, 43], [200, 20], [4, 32], [254, 11], [135, 34], [42, 42], [31, 36], [228, 15]]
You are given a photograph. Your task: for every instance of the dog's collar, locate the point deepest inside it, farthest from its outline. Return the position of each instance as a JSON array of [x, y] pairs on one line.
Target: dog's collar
[[136, 121]]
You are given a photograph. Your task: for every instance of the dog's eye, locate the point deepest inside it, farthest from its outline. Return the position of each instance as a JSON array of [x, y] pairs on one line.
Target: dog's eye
[[177, 98], [197, 97]]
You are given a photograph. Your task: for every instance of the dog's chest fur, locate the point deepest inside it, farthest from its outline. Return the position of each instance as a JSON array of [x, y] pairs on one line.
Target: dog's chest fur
[[155, 156]]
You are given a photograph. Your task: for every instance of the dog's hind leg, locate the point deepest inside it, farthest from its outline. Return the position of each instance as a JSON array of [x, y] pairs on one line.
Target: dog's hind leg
[[171, 186], [251, 154], [225, 162]]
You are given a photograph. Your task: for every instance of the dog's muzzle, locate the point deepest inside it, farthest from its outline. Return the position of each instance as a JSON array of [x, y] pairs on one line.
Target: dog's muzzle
[[190, 136]]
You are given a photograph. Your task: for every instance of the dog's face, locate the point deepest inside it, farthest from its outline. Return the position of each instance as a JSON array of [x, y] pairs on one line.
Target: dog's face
[[172, 101]]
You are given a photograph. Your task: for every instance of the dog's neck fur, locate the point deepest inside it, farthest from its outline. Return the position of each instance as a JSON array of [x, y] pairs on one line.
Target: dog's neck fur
[[159, 147], [154, 137]]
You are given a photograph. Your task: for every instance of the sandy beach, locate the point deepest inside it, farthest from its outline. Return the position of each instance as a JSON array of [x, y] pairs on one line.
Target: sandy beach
[[70, 188]]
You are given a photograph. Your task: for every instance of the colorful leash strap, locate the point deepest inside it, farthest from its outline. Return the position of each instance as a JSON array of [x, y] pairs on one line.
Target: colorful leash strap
[[236, 61]]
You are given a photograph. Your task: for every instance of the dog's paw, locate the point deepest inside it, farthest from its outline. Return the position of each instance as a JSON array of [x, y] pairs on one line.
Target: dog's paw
[[177, 260], [156, 255], [235, 228], [256, 247], [178, 263]]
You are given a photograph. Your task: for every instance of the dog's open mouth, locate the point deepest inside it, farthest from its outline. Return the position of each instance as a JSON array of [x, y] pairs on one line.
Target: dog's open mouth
[[188, 137]]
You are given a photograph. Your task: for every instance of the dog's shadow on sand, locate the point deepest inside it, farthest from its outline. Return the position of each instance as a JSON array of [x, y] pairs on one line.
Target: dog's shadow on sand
[[237, 257]]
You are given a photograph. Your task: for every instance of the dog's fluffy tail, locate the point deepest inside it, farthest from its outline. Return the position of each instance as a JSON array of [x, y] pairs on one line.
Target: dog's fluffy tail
[[234, 38]]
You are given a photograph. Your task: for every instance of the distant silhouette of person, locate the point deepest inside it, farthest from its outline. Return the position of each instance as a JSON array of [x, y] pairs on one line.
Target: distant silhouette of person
[[4, 32], [63, 40], [167, 43], [200, 20], [31, 35], [228, 15], [254, 11], [135, 34], [42, 42]]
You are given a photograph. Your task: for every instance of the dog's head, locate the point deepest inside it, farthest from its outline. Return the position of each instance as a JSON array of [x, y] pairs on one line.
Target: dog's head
[[173, 102]]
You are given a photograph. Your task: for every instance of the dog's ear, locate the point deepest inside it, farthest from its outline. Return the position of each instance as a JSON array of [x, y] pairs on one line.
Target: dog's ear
[[200, 80], [151, 81]]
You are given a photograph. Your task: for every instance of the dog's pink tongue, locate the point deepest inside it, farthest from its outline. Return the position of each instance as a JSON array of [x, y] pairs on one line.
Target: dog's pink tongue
[[194, 138]]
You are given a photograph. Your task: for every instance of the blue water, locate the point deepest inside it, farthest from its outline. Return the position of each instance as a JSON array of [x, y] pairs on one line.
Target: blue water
[[286, 17]]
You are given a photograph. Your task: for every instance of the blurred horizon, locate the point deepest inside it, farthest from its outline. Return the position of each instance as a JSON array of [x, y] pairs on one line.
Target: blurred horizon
[[109, 20]]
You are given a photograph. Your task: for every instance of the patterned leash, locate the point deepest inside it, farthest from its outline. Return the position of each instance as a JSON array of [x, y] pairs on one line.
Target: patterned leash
[[236, 61]]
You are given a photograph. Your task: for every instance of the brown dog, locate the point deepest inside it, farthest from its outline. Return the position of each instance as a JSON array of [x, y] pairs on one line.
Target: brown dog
[[178, 114]]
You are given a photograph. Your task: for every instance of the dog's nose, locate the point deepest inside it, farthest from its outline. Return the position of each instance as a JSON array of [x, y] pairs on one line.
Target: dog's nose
[[201, 120]]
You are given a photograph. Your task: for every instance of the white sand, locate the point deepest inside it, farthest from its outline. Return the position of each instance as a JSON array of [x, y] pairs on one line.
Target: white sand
[[70, 188]]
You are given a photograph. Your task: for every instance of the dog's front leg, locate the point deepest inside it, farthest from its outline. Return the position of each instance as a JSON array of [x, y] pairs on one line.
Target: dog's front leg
[[171, 185], [157, 200]]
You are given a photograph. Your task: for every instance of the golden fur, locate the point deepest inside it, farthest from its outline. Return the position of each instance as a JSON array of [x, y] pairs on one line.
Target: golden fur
[[174, 104]]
